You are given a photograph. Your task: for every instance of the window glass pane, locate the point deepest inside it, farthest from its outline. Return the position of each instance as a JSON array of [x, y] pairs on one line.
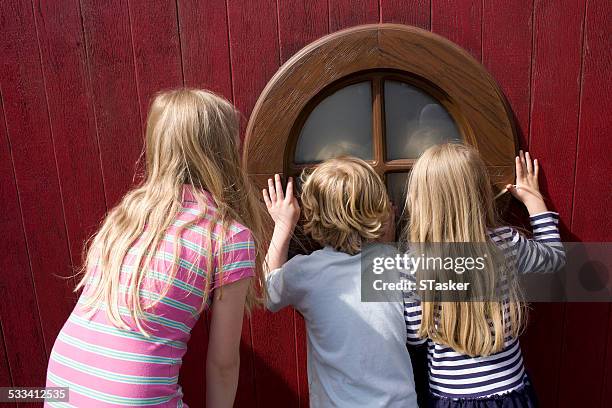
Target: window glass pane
[[414, 121], [396, 187], [341, 124]]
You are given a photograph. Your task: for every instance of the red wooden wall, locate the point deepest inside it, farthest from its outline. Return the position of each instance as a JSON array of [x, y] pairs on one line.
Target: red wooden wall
[[75, 81]]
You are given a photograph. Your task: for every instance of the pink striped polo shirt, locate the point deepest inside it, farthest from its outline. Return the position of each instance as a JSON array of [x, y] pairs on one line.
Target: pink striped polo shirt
[[106, 366]]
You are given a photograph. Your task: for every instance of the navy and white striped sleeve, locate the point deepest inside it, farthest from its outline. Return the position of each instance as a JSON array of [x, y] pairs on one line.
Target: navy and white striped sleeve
[[412, 316], [545, 252], [412, 311]]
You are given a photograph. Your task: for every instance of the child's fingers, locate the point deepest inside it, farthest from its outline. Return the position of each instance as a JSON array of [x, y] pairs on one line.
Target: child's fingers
[[279, 187], [512, 189], [289, 193], [536, 168], [271, 191], [519, 167], [528, 163], [523, 164], [266, 198]]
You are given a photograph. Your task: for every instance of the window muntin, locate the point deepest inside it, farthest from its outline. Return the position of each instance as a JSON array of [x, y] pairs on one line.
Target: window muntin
[[402, 119], [341, 124], [414, 121]]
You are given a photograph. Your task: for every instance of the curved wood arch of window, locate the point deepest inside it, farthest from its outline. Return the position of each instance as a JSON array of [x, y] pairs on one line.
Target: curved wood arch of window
[[441, 68]]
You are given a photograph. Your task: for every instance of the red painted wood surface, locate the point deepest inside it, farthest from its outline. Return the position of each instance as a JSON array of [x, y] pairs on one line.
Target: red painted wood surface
[[410, 12], [506, 52], [157, 50], [555, 88], [205, 45], [76, 79], [590, 215], [5, 370], [347, 13], [35, 171], [460, 22], [110, 57], [21, 325], [64, 66]]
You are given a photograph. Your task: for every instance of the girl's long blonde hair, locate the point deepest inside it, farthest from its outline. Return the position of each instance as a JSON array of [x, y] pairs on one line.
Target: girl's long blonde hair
[[450, 199], [192, 137]]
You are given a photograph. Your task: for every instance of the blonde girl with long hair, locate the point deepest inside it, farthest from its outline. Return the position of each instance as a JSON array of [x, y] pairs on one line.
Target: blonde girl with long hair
[[474, 355], [187, 238]]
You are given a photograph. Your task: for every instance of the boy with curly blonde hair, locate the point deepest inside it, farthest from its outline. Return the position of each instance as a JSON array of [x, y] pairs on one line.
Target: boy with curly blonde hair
[[357, 354]]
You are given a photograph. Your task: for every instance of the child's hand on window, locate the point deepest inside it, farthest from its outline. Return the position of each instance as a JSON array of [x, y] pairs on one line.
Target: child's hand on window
[[527, 189], [282, 207]]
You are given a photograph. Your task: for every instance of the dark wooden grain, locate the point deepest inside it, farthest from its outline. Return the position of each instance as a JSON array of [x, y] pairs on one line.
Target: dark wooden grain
[[113, 80], [35, 168], [410, 12]]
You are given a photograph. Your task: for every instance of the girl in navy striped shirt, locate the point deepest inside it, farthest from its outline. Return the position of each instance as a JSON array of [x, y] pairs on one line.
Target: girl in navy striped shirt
[[474, 355]]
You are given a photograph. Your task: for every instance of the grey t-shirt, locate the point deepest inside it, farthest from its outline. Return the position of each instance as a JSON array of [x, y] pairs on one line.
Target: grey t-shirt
[[357, 354]]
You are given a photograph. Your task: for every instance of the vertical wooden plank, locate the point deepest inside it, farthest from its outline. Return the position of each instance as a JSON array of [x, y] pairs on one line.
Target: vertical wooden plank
[[71, 117], [23, 337], [555, 88], [591, 220], [157, 53], [253, 34], [410, 12], [582, 370], [254, 50], [346, 13], [606, 388], [554, 119], [205, 45], [35, 166], [460, 22], [300, 23], [5, 370], [506, 52], [507, 38], [112, 76]]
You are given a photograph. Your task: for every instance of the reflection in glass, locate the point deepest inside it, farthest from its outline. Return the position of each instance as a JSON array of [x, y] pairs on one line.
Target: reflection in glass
[[340, 124], [414, 121], [396, 187]]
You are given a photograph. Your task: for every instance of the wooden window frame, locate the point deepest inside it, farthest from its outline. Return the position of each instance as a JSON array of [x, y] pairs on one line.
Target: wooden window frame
[[436, 65], [376, 79]]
